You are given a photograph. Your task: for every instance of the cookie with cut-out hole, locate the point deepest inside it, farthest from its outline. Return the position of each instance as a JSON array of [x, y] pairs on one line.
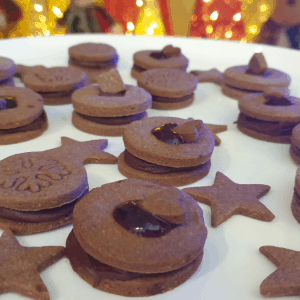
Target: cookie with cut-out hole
[[7, 71], [22, 115], [38, 190], [136, 238], [55, 85]]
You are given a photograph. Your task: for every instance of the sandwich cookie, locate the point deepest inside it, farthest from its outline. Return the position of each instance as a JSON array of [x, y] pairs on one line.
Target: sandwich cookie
[[22, 115], [136, 238], [7, 71], [170, 88], [38, 190], [108, 107], [170, 150], [168, 58], [93, 59]]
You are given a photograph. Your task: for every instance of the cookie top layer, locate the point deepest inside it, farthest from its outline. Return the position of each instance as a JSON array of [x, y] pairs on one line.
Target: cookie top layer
[[253, 105], [170, 83], [107, 241], [145, 61], [92, 52], [29, 106], [150, 149], [238, 77], [55, 79], [92, 102], [7, 68]]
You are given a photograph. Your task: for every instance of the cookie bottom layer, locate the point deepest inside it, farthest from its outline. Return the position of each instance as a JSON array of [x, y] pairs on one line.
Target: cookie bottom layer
[[174, 105], [96, 128], [138, 286], [234, 93], [295, 209], [176, 178], [18, 137], [265, 137]]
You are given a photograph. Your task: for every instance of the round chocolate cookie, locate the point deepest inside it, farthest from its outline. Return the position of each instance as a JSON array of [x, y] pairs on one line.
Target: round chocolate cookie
[[170, 88], [7, 71], [169, 58], [38, 190], [269, 116], [148, 240], [106, 114], [161, 153], [296, 197], [22, 115], [93, 59], [56, 85]]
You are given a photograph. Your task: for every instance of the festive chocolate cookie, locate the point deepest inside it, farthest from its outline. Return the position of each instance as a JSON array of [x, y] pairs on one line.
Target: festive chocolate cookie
[[136, 238], [228, 198], [285, 280], [93, 58], [168, 58], [56, 85], [22, 115], [296, 197], [20, 266], [107, 108], [7, 71], [240, 81], [269, 116], [170, 88], [38, 190], [170, 150]]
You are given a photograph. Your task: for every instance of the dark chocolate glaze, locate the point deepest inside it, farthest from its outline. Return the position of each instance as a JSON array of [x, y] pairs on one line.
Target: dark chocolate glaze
[[171, 100], [97, 64], [83, 262], [167, 134], [279, 102], [266, 127], [139, 222], [36, 124], [40, 216], [114, 120], [159, 55], [148, 167]]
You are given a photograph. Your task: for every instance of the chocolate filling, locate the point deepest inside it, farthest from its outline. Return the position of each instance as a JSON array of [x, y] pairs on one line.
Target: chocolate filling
[[148, 167], [97, 64], [137, 221], [114, 120], [40, 216], [167, 134], [7, 103], [266, 127], [138, 69], [242, 90], [36, 124], [279, 102], [171, 100], [295, 149], [264, 74], [159, 55], [297, 197]]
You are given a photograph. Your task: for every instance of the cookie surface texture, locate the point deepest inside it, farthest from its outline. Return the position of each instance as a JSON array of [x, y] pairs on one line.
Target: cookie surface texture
[[227, 198], [159, 259], [20, 267]]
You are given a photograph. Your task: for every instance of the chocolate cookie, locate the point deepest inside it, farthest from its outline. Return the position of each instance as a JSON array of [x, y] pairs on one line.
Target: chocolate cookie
[[7, 71], [170, 88], [56, 85], [108, 107], [296, 197], [170, 150], [38, 190], [269, 116], [136, 238], [93, 58], [240, 81], [168, 58], [22, 115]]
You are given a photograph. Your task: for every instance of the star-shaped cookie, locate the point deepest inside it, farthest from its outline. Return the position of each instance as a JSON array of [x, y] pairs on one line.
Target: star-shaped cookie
[[285, 281], [228, 198], [216, 129], [20, 267]]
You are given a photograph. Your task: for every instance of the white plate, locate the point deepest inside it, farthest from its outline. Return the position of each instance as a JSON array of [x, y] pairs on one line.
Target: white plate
[[232, 267]]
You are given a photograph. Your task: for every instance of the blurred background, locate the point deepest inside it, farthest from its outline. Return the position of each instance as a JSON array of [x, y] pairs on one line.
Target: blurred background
[[274, 22]]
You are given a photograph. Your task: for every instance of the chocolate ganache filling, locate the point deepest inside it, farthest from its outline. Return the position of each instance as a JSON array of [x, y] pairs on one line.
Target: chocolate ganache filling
[[40, 216], [95, 64], [171, 100], [159, 55], [114, 120], [266, 127], [279, 102], [142, 165], [167, 134], [142, 223], [7, 103], [36, 124]]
